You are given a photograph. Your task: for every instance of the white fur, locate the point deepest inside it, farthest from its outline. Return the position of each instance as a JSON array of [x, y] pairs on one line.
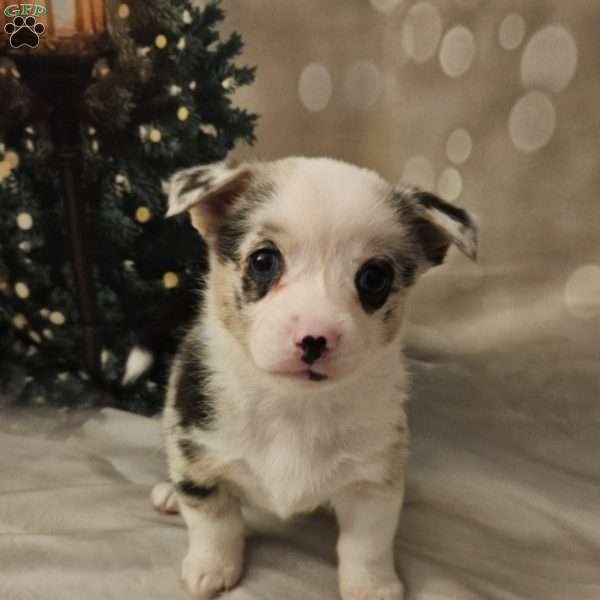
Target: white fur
[[138, 362], [295, 447]]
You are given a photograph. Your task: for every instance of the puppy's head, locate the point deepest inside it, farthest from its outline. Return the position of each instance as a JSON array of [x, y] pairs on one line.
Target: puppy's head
[[312, 259]]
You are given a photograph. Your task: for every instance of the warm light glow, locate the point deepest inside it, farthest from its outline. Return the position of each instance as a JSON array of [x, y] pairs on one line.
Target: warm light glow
[[63, 14], [70, 26]]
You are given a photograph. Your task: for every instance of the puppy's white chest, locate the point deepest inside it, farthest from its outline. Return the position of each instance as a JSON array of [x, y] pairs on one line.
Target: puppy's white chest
[[293, 463]]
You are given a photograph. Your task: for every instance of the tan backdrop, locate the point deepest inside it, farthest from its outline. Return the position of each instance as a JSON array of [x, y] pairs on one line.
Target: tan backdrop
[[492, 104]]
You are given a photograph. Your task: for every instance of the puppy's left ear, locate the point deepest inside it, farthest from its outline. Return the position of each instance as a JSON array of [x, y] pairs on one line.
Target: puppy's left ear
[[438, 224], [208, 192]]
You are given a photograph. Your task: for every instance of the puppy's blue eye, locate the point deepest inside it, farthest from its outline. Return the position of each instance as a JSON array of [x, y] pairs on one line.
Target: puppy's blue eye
[[265, 264], [373, 283]]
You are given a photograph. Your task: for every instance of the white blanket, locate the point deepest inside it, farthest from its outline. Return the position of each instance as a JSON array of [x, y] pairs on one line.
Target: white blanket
[[500, 505]]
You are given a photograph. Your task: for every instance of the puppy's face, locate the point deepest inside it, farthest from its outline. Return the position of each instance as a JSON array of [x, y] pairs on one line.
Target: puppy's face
[[312, 259]]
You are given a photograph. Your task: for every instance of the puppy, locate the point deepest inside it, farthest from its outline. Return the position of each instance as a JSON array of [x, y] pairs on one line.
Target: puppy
[[288, 391]]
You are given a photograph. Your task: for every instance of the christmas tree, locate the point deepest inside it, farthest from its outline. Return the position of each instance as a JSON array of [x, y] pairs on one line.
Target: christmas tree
[[160, 102]]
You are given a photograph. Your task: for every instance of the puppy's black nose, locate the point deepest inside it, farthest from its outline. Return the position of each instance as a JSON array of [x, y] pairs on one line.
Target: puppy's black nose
[[313, 348]]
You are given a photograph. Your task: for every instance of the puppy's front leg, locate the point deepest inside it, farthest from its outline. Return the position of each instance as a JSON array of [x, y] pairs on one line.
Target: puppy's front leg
[[216, 535], [368, 518]]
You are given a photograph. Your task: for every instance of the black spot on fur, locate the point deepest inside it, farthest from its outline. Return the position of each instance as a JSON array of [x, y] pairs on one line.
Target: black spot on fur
[[434, 243], [235, 227], [230, 236], [252, 289], [189, 449], [189, 488], [192, 399], [431, 201], [405, 268], [429, 238], [387, 315]]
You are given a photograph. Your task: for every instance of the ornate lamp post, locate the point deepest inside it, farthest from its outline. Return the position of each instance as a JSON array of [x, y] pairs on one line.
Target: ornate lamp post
[[55, 45]]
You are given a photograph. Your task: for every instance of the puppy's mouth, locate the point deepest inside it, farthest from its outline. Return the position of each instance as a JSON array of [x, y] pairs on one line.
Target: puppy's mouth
[[304, 375], [314, 376]]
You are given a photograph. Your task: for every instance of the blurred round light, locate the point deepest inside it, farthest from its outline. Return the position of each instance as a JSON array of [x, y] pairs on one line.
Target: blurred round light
[[421, 31], [57, 318], [24, 221], [582, 292], [20, 321], [532, 121], [511, 31], [457, 51], [459, 146], [550, 59], [21, 290], [362, 85], [385, 6], [449, 184], [12, 158], [315, 87]]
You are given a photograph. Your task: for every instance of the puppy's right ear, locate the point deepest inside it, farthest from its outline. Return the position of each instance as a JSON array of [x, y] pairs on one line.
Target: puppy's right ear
[[208, 192]]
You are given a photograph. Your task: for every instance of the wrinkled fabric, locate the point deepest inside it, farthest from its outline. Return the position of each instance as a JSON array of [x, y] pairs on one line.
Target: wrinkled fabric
[[500, 504]]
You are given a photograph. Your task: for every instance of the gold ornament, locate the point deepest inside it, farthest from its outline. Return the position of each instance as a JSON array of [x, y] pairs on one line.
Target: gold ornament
[[160, 41], [170, 279], [155, 135], [20, 321], [4, 169], [21, 290], [183, 113], [24, 221], [142, 214], [12, 158], [123, 11], [57, 318]]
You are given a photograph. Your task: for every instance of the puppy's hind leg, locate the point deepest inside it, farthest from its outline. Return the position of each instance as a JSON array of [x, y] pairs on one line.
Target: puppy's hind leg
[[164, 498]]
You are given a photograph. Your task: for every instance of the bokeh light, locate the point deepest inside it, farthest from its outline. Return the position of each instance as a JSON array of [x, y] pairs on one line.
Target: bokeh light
[[449, 184], [582, 292], [315, 87], [459, 146], [512, 31], [457, 51], [532, 121], [421, 31], [385, 6], [550, 59]]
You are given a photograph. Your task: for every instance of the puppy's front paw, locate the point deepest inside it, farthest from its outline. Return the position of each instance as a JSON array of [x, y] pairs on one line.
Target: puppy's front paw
[[393, 590], [205, 577], [164, 497]]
